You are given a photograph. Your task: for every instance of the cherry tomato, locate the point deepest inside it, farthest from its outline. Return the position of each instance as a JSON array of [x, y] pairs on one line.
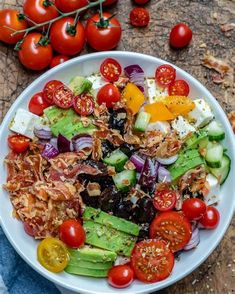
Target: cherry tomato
[[108, 94], [164, 200], [28, 229], [70, 5], [33, 55], [58, 60], [180, 36], [139, 17], [39, 11], [18, 143], [37, 104], [13, 19], [179, 88], [66, 38], [72, 233], [63, 97], [210, 219], [141, 2], [110, 70], [48, 90], [165, 75], [53, 254], [84, 104], [103, 34], [152, 261], [172, 227], [194, 208], [108, 3], [120, 276]]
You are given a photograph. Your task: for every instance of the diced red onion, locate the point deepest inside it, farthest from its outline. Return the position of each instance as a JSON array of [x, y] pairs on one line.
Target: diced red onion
[[136, 75], [49, 151], [194, 241], [164, 175], [81, 142], [42, 132], [138, 162], [121, 260], [53, 142], [149, 174], [168, 160], [64, 145]]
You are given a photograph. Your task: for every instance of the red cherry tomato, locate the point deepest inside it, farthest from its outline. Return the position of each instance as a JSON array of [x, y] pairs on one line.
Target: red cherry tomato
[[139, 17], [179, 88], [33, 55], [108, 94], [72, 233], [211, 218], [110, 70], [70, 5], [58, 60], [164, 200], [152, 261], [103, 35], [66, 38], [39, 11], [28, 229], [48, 90], [120, 276], [11, 18], [84, 104], [63, 97], [37, 104], [172, 227], [18, 143], [108, 3], [165, 75], [194, 208], [141, 2], [180, 36]]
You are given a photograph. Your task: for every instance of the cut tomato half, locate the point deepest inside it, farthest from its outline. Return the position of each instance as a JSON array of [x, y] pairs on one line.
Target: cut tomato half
[[63, 97]]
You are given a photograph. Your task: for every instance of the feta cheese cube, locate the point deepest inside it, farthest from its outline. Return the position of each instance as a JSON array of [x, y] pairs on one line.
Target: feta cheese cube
[[213, 196], [153, 91], [201, 114], [24, 122], [97, 83], [162, 126], [182, 126]]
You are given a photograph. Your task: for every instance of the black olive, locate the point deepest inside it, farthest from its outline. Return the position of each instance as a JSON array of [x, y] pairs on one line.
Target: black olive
[[124, 209], [128, 149], [118, 119], [144, 232], [109, 199], [92, 201], [107, 148], [144, 211]]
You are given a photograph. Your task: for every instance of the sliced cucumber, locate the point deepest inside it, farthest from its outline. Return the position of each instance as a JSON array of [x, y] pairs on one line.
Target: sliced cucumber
[[142, 121], [215, 131], [214, 154], [125, 180], [117, 159], [222, 172]]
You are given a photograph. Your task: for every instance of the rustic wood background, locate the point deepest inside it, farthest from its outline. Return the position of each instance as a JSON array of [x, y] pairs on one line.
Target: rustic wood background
[[205, 17]]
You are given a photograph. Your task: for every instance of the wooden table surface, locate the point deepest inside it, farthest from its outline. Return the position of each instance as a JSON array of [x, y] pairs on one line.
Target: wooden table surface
[[205, 17]]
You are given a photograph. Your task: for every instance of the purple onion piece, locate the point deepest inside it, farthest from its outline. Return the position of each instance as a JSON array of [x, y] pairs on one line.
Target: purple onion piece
[[136, 75], [81, 142], [149, 175], [64, 145], [164, 175], [42, 132], [138, 162], [194, 241], [53, 142], [49, 151]]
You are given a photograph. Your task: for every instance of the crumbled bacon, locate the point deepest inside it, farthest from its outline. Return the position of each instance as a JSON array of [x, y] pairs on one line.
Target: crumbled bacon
[[96, 148], [194, 180], [218, 65]]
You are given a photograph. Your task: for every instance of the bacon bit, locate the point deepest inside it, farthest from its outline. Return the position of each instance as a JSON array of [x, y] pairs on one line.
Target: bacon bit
[[194, 178], [231, 118], [126, 182], [228, 27], [129, 165], [93, 189], [86, 121], [216, 78], [111, 171], [217, 64], [96, 148]]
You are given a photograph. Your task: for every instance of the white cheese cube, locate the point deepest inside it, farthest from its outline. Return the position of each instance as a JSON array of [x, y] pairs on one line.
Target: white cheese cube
[[24, 122], [201, 114], [213, 196], [182, 127], [97, 83], [162, 126], [153, 92]]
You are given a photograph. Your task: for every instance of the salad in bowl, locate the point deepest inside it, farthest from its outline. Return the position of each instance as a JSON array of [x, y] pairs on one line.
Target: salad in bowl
[[116, 173]]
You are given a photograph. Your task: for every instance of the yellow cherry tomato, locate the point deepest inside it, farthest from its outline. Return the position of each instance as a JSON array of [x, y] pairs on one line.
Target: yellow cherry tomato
[[53, 254]]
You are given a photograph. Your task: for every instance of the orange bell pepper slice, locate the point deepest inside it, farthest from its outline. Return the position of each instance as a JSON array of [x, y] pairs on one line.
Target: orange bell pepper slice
[[133, 97], [178, 105], [158, 111]]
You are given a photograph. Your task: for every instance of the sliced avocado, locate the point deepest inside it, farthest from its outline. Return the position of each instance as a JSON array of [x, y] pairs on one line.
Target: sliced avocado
[[81, 271], [73, 129], [80, 85], [89, 264], [195, 139], [55, 114], [108, 220], [108, 238]]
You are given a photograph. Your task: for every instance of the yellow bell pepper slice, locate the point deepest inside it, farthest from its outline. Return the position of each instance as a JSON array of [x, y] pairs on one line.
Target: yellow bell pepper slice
[[133, 97], [158, 111], [178, 105]]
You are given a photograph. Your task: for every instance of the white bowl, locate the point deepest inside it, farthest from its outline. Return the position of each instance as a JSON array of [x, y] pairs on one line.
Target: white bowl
[[189, 261]]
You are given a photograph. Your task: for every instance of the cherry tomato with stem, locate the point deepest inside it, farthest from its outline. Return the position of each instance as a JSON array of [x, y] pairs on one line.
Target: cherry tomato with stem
[[63, 97], [48, 90], [110, 70], [70, 5], [71, 232], [18, 143], [210, 219], [165, 75], [120, 276], [164, 200], [109, 94], [13, 19], [194, 208], [103, 32], [37, 104], [139, 17], [179, 88], [180, 36], [141, 2], [84, 104], [58, 60]]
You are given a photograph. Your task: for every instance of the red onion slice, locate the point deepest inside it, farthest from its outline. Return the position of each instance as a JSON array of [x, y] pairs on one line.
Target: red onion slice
[[49, 151], [164, 175], [136, 75], [42, 132], [194, 241], [81, 142], [168, 160], [138, 162], [64, 145]]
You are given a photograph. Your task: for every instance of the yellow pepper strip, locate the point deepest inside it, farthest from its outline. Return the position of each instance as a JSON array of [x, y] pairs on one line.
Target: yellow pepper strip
[[133, 97], [158, 111], [178, 105]]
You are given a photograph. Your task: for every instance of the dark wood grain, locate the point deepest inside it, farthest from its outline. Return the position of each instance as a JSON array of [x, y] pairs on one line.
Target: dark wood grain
[[217, 274]]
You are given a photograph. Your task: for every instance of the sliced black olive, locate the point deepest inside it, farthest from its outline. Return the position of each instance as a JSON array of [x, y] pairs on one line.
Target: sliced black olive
[[144, 232], [128, 149], [144, 211], [107, 148], [118, 119], [109, 199], [92, 201], [124, 209]]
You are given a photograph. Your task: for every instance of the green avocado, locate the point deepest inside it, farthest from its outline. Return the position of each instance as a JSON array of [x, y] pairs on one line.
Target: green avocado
[[195, 139], [80, 85], [55, 114], [81, 271], [90, 264]]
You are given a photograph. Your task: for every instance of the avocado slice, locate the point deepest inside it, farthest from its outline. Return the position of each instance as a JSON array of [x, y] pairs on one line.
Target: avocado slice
[[80, 85], [95, 273], [195, 139], [90, 264], [55, 114], [74, 129]]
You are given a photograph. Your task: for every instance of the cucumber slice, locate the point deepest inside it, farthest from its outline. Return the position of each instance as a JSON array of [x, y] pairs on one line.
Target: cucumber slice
[[117, 159], [142, 121], [214, 155], [222, 172], [125, 180], [215, 131]]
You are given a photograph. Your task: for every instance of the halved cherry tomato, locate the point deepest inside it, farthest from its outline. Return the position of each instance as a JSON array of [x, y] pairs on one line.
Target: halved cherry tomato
[[28, 229], [37, 104], [18, 143], [164, 200], [165, 75], [58, 60], [84, 104], [194, 208], [63, 97], [179, 88], [139, 17], [120, 276], [71, 232], [152, 261], [49, 89], [53, 254], [180, 36], [172, 227], [108, 94], [210, 219], [110, 70]]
